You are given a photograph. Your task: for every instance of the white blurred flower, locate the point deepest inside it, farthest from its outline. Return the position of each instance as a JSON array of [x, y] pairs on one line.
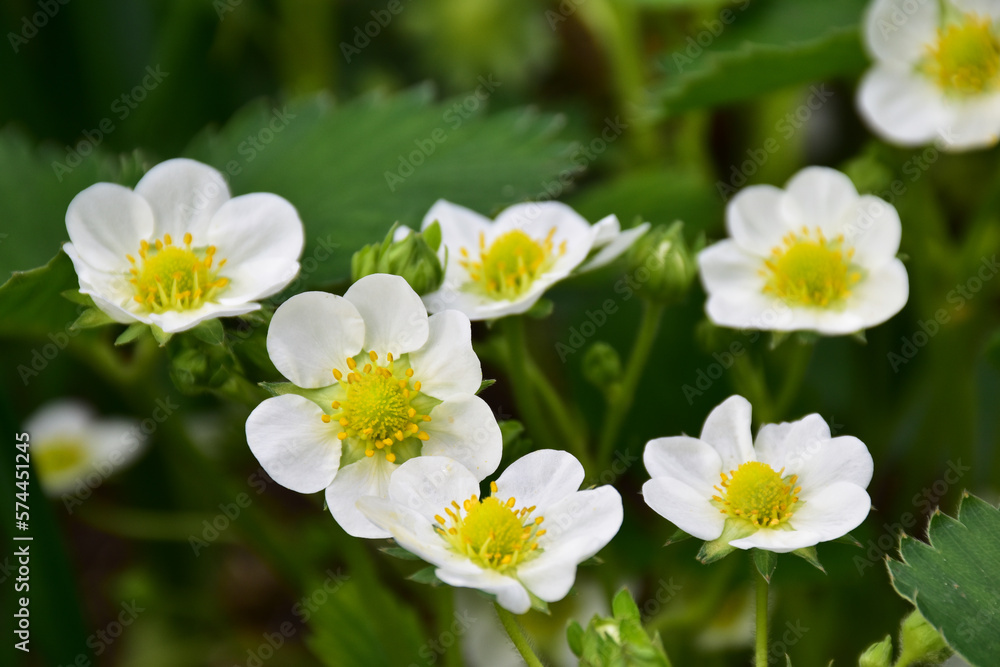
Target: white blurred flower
[[177, 250], [814, 256], [498, 543], [502, 267], [936, 72], [69, 442], [375, 382], [795, 487]]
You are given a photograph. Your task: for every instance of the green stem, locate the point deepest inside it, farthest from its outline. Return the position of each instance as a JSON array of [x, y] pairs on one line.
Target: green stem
[[517, 636], [794, 375], [528, 408], [761, 640], [619, 407], [571, 430]]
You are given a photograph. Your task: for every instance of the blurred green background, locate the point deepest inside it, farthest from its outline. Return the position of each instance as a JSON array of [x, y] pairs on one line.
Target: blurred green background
[[652, 109]]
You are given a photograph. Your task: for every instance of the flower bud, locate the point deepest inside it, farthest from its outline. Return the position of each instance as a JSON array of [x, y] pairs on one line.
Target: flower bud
[[661, 265], [602, 367], [414, 257], [921, 642], [878, 654]]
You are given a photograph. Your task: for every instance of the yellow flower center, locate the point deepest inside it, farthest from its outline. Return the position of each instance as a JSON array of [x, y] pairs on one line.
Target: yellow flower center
[[492, 534], [965, 60], [167, 277], [58, 457], [758, 494], [810, 270], [376, 408], [511, 264]]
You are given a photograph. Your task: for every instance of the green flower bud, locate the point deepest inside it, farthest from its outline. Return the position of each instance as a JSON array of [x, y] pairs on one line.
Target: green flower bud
[[662, 265], [413, 257], [602, 367], [617, 640], [878, 654], [921, 642]]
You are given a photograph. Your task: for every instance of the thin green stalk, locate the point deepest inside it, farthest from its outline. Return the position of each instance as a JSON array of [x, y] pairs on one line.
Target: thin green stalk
[[794, 375], [761, 640], [528, 408], [570, 430], [517, 636], [618, 409]]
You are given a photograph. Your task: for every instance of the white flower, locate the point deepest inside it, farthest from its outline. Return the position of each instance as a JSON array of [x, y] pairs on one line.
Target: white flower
[[375, 382], [528, 536], [69, 444], [815, 256], [936, 72], [177, 250], [502, 267], [795, 487]]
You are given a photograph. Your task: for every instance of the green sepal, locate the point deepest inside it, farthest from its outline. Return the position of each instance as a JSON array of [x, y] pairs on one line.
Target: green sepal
[[777, 338], [131, 332], [765, 561], [432, 235], [719, 548], [878, 654], [810, 555], [161, 336], [849, 539], [210, 331], [90, 318], [426, 576], [574, 637], [78, 298], [623, 606], [542, 309], [484, 384], [860, 337], [678, 536], [399, 552], [593, 560], [538, 604]]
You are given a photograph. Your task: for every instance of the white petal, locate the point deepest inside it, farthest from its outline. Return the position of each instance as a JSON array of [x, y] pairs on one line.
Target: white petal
[[175, 321], [821, 197], [726, 268], [184, 195], [510, 594], [366, 477], [106, 222], [778, 541], [833, 512], [577, 528], [683, 457], [880, 295], [756, 218], [58, 419], [478, 308], [874, 231], [608, 228], [684, 507], [615, 248], [974, 124], [540, 478], [981, 7], [401, 233], [395, 318], [411, 530], [727, 429], [902, 107], [899, 32], [787, 444], [428, 484], [447, 365], [464, 428], [826, 462], [292, 443], [311, 334], [116, 441], [460, 227], [260, 236]]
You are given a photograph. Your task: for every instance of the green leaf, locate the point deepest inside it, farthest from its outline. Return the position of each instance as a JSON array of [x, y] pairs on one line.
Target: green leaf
[[726, 77], [132, 332], [92, 317], [31, 302], [399, 552], [955, 580], [484, 384], [211, 332], [765, 562], [352, 169], [426, 576], [810, 555]]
